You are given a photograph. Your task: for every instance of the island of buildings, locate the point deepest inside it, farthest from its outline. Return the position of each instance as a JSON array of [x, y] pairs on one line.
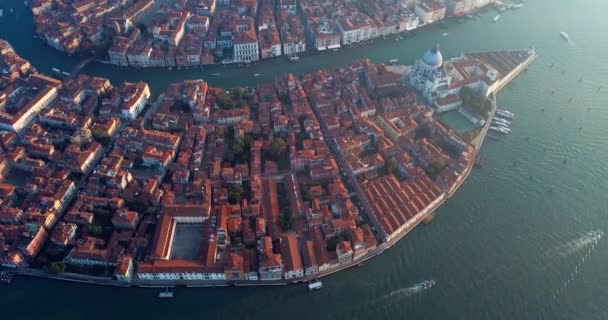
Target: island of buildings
[[287, 181], [190, 33]]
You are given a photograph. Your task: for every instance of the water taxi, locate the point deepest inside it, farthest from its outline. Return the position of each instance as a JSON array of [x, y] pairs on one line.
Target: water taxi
[[166, 294], [500, 129], [294, 58], [315, 285]]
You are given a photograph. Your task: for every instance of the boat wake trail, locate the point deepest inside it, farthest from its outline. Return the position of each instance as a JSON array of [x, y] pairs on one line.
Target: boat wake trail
[[587, 240], [586, 244], [410, 291]]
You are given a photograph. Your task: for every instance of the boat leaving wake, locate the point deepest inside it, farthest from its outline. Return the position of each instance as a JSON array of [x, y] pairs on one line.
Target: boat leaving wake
[[589, 239], [587, 242], [410, 291]]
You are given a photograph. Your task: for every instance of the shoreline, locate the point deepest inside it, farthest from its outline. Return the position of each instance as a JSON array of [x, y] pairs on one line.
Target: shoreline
[[383, 246], [399, 36]]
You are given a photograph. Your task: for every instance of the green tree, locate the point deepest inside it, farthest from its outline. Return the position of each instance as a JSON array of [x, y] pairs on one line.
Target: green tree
[[286, 221], [235, 194], [435, 167], [224, 101], [307, 194], [238, 92], [57, 267], [278, 147], [94, 230], [238, 148], [437, 164], [391, 166]]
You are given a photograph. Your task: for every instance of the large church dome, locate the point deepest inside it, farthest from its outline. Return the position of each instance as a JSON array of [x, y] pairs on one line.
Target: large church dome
[[433, 58]]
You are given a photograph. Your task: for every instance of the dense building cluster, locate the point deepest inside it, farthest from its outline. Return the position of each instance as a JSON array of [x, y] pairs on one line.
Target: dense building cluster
[[188, 33], [395, 152], [286, 181]]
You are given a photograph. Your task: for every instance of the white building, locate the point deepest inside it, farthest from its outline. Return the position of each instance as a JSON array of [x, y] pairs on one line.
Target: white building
[[246, 48], [447, 103], [124, 272], [18, 122], [457, 7], [430, 11], [135, 103], [353, 34], [476, 4], [164, 275], [428, 75]]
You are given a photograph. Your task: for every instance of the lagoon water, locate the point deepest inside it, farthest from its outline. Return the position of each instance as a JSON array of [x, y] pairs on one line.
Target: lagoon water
[[523, 238]]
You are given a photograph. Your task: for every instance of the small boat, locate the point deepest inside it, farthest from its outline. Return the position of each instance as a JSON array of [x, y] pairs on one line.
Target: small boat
[[517, 6], [501, 121], [564, 36], [1, 12], [507, 129], [166, 294], [496, 18], [393, 61], [315, 285], [500, 129], [216, 74], [294, 58], [257, 74], [505, 114], [445, 34]]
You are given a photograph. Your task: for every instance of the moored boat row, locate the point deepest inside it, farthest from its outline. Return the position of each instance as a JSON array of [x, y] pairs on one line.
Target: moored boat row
[[6, 277], [501, 121]]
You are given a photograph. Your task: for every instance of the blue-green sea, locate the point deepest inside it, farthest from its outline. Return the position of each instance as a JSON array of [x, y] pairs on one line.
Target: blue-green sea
[[523, 238]]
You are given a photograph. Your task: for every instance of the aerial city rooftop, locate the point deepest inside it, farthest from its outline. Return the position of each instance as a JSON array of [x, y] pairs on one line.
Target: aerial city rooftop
[[190, 33], [286, 181]]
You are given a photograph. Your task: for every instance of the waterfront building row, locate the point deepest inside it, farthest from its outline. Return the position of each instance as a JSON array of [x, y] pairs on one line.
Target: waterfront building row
[[193, 33]]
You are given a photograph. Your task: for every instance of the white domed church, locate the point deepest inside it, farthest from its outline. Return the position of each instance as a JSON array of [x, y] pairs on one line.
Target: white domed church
[[429, 75]]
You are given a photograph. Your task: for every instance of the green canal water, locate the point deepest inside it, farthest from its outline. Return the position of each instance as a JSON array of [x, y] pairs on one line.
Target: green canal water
[[523, 238]]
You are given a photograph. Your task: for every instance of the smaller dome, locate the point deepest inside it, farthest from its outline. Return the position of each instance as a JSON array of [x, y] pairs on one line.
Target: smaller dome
[[433, 57]]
